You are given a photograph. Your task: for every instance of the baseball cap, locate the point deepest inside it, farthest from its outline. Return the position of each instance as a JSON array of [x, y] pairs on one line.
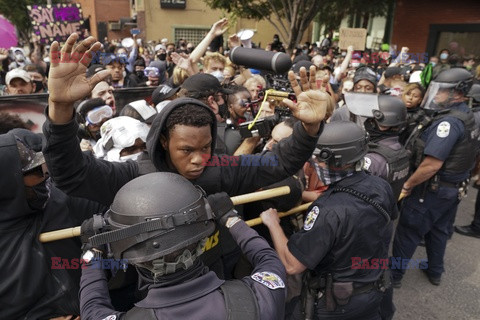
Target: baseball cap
[[159, 47], [202, 85], [302, 63], [163, 92], [17, 73], [392, 71]]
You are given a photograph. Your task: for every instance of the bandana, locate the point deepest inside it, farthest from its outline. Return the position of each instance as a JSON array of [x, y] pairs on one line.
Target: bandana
[[329, 177]]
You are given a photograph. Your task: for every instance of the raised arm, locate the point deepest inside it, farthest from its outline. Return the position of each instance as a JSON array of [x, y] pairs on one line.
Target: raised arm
[[217, 29]]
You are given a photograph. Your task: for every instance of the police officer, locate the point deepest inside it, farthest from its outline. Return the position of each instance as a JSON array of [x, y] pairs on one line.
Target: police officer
[[386, 157], [344, 279], [473, 229], [159, 222], [443, 160]]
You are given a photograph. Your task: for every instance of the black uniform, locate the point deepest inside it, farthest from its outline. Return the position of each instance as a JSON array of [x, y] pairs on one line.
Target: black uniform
[[31, 285], [200, 297], [340, 229]]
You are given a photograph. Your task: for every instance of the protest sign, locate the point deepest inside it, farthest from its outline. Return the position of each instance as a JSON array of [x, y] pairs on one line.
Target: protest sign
[[57, 22], [352, 37]]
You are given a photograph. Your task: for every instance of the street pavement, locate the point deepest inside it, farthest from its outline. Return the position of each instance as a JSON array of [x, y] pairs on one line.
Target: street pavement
[[458, 296]]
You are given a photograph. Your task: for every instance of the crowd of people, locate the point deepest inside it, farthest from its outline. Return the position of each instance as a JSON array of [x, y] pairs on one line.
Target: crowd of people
[[381, 150]]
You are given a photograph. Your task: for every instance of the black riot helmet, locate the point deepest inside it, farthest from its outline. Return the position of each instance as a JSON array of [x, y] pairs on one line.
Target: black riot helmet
[[474, 93], [441, 91], [391, 112], [341, 143], [155, 215]]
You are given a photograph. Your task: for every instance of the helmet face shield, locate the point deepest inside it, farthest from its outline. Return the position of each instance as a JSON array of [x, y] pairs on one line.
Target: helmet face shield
[[439, 96]]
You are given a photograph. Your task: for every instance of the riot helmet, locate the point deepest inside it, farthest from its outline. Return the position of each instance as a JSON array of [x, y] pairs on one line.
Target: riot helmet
[[474, 94], [155, 215], [448, 88], [341, 143], [391, 112]]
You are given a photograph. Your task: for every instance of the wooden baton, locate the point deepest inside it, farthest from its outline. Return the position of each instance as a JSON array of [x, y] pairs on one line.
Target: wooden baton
[[241, 199], [257, 221]]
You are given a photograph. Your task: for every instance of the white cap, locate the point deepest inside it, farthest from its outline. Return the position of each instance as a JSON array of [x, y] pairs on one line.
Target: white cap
[[160, 46], [119, 133], [17, 73], [415, 77], [164, 40]]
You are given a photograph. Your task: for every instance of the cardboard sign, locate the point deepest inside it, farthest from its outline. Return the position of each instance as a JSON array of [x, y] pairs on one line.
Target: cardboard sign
[[57, 22], [352, 37]]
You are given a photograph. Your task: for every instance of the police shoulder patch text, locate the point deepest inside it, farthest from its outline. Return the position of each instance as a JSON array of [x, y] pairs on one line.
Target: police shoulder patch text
[[268, 279], [367, 163], [311, 217], [443, 129]]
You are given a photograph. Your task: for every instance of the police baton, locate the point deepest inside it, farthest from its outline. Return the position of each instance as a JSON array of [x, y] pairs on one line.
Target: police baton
[[257, 221], [241, 199]]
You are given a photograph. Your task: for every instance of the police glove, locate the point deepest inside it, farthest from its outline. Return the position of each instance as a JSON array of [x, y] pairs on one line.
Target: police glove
[[222, 207], [89, 228]]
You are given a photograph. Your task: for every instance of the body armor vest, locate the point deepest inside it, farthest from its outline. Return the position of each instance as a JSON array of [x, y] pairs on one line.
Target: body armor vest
[[398, 165], [462, 156]]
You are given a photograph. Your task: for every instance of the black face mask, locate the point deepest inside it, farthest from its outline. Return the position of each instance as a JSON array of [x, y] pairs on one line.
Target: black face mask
[[140, 74], [38, 195], [38, 86], [162, 56], [223, 110]]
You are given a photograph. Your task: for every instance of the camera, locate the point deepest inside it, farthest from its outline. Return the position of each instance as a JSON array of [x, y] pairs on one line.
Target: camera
[[262, 127]]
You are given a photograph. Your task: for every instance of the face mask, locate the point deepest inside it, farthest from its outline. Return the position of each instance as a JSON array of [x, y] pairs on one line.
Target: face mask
[[162, 56], [38, 195], [305, 51], [219, 75], [19, 57], [329, 177], [355, 64], [433, 64], [444, 56], [140, 74], [133, 157], [468, 67], [38, 86]]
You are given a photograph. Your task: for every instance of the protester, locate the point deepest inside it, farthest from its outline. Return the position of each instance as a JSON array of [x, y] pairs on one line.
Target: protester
[[38, 76], [18, 81]]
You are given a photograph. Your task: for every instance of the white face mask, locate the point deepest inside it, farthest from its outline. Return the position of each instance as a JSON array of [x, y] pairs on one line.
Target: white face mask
[[219, 75], [355, 64], [133, 157]]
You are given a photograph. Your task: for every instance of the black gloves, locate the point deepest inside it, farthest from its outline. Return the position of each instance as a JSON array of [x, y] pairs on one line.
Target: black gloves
[[222, 207], [89, 228]]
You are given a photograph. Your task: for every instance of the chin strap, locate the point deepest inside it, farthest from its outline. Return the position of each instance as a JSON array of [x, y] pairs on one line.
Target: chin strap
[[183, 261]]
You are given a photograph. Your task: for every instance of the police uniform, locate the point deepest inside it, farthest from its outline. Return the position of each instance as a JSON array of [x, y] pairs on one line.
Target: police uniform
[[200, 297], [340, 227], [388, 159], [430, 209]]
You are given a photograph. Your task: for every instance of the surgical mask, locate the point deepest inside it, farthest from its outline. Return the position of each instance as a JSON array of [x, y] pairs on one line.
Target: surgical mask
[[162, 56], [329, 177], [133, 157], [19, 57], [305, 51], [38, 195], [219, 75], [433, 64], [444, 56], [355, 64]]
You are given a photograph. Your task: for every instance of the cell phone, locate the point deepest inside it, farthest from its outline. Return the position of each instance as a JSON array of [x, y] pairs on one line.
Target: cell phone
[[135, 31]]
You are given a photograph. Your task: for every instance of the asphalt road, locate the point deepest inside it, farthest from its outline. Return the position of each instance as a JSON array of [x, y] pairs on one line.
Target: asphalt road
[[458, 296]]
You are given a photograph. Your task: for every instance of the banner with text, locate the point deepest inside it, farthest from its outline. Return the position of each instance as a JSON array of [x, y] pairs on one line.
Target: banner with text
[[352, 37], [57, 22]]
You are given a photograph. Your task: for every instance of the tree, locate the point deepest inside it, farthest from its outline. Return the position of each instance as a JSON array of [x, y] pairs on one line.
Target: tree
[[289, 17], [16, 11]]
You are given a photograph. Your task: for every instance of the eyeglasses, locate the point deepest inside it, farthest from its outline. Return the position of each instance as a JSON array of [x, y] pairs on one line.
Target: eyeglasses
[[96, 115]]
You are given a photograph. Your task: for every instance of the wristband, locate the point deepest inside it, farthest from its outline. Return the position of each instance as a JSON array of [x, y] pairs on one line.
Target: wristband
[[232, 221]]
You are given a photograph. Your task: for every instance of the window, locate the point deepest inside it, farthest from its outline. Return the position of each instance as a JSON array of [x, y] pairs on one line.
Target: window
[[193, 35]]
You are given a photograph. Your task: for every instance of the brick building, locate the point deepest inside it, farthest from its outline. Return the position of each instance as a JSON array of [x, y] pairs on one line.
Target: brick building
[[104, 17], [431, 25]]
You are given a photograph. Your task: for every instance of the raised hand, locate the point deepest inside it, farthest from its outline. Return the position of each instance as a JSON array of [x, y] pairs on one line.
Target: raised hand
[[67, 81], [219, 27], [234, 41], [311, 103]]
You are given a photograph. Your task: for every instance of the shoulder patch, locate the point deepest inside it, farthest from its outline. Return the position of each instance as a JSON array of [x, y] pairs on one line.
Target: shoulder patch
[[112, 317], [311, 218], [268, 279], [367, 163], [443, 129]]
